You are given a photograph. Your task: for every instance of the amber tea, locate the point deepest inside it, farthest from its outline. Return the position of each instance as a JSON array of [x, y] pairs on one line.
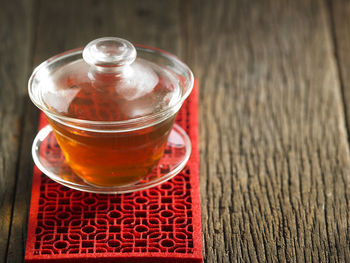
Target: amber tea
[[113, 158]]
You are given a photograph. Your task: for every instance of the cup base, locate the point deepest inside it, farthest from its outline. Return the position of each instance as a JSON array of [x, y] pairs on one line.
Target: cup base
[[49, 158]]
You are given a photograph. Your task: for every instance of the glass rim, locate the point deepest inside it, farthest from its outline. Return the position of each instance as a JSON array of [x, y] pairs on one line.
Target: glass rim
[[157, 116]]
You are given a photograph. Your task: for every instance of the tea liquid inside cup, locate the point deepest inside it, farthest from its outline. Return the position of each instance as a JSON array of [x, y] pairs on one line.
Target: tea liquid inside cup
[[112, 159]]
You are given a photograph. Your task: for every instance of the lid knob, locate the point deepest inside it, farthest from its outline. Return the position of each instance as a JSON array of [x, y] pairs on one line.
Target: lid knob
[[109, 54]]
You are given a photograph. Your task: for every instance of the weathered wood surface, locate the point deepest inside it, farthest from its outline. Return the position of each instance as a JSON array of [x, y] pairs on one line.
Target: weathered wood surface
[[15, 44], [275, 162]]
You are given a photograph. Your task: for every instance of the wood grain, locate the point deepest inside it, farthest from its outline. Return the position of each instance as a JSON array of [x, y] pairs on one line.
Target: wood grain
[[275, 161], [65, 25], [15, 21]]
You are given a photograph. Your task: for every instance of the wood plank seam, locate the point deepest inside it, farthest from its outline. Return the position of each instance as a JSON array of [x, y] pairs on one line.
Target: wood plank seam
[[330, 17]]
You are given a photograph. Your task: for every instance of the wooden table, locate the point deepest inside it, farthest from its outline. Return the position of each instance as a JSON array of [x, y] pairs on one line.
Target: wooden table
[[274, 114]]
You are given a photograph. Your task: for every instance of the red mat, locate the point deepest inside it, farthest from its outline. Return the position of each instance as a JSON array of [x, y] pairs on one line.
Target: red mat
[[160, 224]]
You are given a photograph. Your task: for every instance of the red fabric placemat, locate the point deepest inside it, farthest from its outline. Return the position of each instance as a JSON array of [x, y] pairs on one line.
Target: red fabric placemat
[[160, 224]]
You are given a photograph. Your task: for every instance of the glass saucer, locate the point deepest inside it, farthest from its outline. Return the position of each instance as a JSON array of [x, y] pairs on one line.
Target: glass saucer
[[49, 158]]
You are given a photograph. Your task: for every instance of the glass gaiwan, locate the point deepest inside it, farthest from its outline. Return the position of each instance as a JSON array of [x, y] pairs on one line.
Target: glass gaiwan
[[111, 107]]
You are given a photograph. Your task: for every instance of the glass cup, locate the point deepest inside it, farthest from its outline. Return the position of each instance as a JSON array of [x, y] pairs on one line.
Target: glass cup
[[101, 145]]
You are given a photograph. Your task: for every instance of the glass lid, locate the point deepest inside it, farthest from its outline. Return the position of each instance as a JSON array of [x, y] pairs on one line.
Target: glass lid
[[110, 81]]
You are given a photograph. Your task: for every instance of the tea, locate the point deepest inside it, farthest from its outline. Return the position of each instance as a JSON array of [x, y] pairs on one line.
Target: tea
[[111, 159]]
